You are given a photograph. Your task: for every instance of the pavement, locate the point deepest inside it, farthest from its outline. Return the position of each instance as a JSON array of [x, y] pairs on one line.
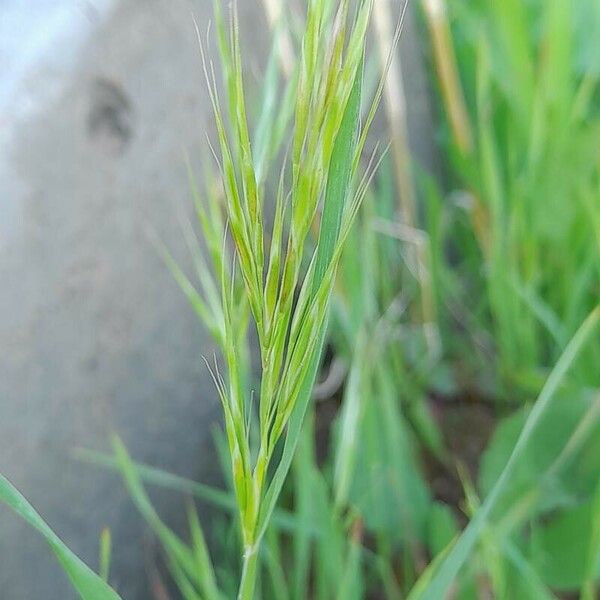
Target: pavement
[[98, 100]]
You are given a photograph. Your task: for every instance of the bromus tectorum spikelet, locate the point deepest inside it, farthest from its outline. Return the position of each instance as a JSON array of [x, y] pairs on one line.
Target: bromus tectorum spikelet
[[284, 289]]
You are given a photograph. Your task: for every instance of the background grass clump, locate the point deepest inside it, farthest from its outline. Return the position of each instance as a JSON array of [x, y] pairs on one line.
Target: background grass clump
[[521, 227]]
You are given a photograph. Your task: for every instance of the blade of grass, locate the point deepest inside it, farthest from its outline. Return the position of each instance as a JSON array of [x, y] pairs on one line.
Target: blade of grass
[[181, 559], [440, 577], [275, 565], [105, 554], [160, 478], [350, 418], [303, 504], [206, 573], [589, 590], [222, 499], [351, 586], [89, 586]]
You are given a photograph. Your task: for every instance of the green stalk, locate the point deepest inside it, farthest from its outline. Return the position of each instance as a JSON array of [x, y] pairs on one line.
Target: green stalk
[[248, 580]]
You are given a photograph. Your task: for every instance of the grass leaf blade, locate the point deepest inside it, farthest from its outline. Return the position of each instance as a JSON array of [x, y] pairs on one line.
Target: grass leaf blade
[[87, 583], [441, 578]]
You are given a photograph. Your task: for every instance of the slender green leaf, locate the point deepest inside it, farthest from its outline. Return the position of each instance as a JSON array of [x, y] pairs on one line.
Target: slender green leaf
[[442, 578], [89, 586]]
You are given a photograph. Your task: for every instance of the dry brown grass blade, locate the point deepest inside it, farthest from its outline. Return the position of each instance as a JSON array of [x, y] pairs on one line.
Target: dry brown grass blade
[[445, 62], [287, 56], [417, 255], [395, 107], [436, 16]]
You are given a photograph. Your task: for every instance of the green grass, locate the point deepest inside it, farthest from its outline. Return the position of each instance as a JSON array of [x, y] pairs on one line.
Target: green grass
[[524, 236], [88, 585]]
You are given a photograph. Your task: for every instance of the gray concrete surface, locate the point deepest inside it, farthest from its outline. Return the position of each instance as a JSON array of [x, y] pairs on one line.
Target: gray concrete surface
[[97, 101], [95, 112]]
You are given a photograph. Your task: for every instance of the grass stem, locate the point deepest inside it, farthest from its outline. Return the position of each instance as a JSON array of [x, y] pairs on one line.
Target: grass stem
[[444, 57], [248, 580]]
